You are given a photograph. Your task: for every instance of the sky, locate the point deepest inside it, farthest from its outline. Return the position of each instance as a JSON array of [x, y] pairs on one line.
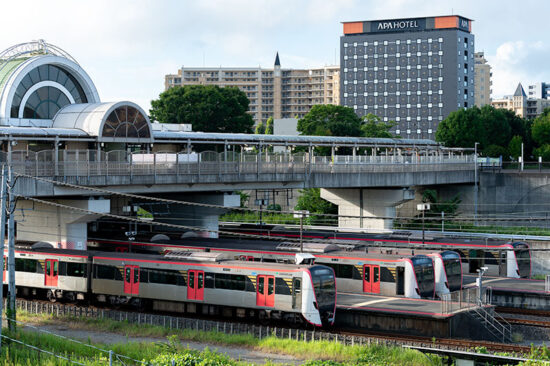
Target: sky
[[128, 46]]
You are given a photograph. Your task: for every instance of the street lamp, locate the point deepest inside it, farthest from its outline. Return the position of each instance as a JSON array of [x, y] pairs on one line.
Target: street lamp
[[301, 214], [423, 207]]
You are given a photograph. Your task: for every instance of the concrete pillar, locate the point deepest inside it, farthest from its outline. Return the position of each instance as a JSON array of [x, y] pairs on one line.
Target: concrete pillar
[[367, 205], [193, 216], [63, 228]]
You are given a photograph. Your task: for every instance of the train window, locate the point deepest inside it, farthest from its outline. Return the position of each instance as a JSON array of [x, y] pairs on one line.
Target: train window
[[376, 274], [143, 275], [76, 269], [25, 265], [105, 272], [166, 277], [270, 285], [297, 285], [341, 270], [55, 268], [192, 279], [230, 282], [281, 287], [208, 280], [386, 275]]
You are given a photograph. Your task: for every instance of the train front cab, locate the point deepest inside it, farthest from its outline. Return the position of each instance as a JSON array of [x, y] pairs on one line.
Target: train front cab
[[320, 307], [508, 260], [448, 272], [420, 277]]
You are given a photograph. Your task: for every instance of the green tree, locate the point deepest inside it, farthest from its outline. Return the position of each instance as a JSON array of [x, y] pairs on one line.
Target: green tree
[[269, 126], [495, 151], [207, 108], [462, 128], [541, 128], [260, 128], [496, 126], [373, 126], [543, 151], [514, 147], [311, 201], [437, 205], [330, 120]]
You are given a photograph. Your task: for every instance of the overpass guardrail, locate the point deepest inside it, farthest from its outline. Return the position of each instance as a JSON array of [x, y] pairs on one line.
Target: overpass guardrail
[[86, 163]]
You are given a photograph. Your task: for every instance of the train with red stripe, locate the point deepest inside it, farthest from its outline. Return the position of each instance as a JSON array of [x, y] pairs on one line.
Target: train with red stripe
[[185, 282], [357, 271], [504, 258]]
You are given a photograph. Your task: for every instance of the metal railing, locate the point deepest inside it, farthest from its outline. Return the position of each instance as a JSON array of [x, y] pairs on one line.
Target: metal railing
[[469, 299], [88, 163]]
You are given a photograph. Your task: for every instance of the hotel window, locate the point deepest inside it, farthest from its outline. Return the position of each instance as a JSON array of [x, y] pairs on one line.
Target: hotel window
[[440, 53], [385, 68], [375, 55], [375, 43], [355, 107], [385, 106], [418, 80], [429, 130], [345, 82], [355, 69], [385, 119], [398, 106], [408, 54], [397, 131], [365, 81], [440, 40], [385, 94], [419, 54], [430, 104], [398, 42], [365, 94], [418, 106], [365, 107], [375, 94], [408, 80], [345, 57], [385, 81], [408, 92], [429, 92], [397, 81], [385, 55], [398, 68], [397, 55], [418, 92], [345, 69], [385, 43], [440, 78], [430, 40], [429, 66], [408, 132], [355, 57], [408, 41], [345, 95], [355, 82], [418, 67], [418, 131], [398, 93], [408, 67], [430, 53], [408, 106], [375, 68], [365, 56], [376, 106], [376, 81], [440, 92], [365, 44], [429, 118], [440, 105], [418, 40], [355, 94], [365, 69], [354, 44]]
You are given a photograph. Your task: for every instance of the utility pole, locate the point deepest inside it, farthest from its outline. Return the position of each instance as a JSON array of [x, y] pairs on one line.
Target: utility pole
[[10, 311], [475, 183], [3, 199]]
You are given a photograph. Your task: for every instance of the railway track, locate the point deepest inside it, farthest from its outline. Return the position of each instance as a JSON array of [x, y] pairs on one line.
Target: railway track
[[343, 336]]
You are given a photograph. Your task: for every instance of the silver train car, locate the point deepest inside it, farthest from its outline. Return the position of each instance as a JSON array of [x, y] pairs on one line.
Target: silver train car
[[201, 283], [357, 271]]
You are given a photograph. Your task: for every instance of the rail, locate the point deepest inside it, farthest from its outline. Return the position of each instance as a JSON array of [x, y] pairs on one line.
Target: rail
[[87, 163]]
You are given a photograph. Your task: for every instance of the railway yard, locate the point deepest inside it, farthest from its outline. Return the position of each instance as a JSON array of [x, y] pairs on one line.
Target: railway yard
[[344, 291]]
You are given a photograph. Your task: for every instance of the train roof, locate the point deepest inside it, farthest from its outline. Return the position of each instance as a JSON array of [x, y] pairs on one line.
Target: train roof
[[201, 257]]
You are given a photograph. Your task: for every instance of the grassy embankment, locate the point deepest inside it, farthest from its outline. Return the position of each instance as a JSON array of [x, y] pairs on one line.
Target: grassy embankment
[[314, 353]]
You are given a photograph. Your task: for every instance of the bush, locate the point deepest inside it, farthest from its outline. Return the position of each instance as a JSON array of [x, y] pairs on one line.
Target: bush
[[495, 151], [192, 358]]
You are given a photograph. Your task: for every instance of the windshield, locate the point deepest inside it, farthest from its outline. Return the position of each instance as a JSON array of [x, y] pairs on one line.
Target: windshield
[[424, 271], [451, 262], [523, 257], [324, 285]]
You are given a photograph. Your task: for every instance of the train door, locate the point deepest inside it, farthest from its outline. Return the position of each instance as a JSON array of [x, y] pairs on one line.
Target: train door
[[51, 272], [502, 264], [474, 259], [131, 280], [195, 285], [400, 284], [4, 272], [265, 290], [297, 293], [371, 278]]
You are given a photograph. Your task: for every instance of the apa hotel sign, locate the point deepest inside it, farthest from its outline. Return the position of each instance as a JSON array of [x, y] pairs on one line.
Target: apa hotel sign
[[398, 25]]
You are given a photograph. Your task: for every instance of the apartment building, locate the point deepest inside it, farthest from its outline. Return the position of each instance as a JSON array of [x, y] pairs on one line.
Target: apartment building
[[276, 92], [482, 80]]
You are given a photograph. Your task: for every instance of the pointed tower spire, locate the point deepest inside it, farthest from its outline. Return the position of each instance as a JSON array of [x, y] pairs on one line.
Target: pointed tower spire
[[519, 91], [277, 61]]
